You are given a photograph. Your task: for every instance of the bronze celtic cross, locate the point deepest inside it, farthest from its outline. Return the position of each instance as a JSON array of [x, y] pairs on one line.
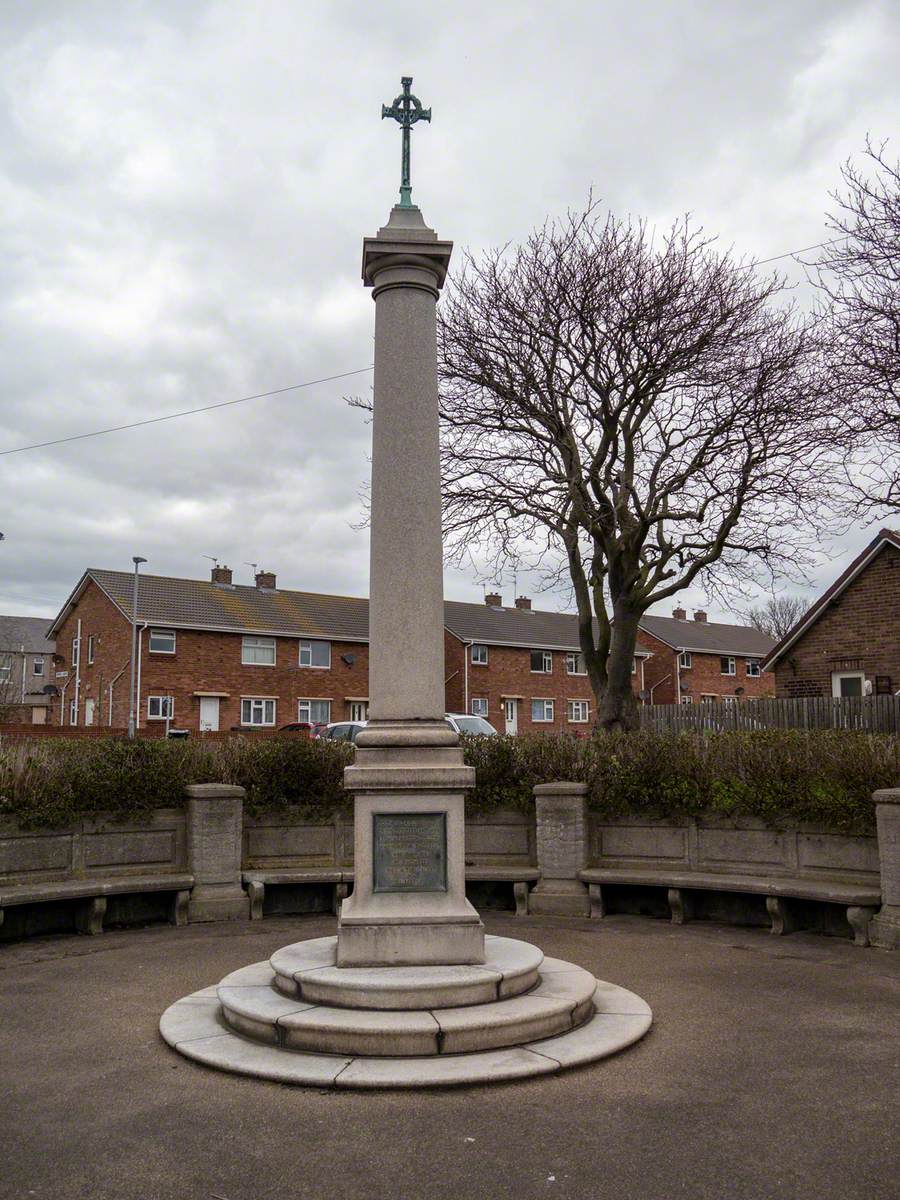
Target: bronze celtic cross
[[406, 110]]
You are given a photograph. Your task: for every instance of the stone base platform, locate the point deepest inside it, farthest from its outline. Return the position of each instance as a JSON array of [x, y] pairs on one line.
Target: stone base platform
[[300, 1019]]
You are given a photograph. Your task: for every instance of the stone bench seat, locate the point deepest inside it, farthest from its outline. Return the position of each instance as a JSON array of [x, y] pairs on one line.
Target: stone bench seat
[[94, 892], [256, 882], [860, 899]]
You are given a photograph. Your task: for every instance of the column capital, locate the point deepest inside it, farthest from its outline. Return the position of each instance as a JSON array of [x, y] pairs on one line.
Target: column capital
[[406, 242]]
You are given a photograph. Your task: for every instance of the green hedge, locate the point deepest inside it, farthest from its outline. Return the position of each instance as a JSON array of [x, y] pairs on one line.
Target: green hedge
[[825, 777]]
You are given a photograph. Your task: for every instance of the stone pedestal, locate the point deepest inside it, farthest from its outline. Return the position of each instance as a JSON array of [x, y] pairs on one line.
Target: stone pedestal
[[884, 931], [562, 850], [408, 905], [214, 822]]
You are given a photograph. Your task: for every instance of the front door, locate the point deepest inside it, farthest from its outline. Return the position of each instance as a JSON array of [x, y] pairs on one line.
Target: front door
[[359, 710], [209, 714], [89, 712], [511, 713]]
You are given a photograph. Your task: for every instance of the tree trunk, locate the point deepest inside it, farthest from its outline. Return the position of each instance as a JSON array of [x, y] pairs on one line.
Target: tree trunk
[[616, 706]]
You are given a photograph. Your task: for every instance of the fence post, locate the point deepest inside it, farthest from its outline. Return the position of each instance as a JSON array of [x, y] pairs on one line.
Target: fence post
[[562, 850], [215, 817], [884, 930]]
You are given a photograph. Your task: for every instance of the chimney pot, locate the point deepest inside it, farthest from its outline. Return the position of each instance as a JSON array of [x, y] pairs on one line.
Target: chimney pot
[[221, 575], [265, 579], [679, 614], [700, 615], [523, 602], [493, 600]]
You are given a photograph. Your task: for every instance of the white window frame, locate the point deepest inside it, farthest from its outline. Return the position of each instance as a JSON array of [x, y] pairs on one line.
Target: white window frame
[[837, 676], [685, 660], [479, 706], [76, 650], [547, 660], [479, 655], [572, 662], [262, 701], [687, 699], [548, 708], [307, 703], [307, 645], [90, 650], [165, 708], [39, 658], [582, 706], [708, 698], [751, 673], [6, 666], [156, 633], [732, 665], [729, 699], [255, 643]]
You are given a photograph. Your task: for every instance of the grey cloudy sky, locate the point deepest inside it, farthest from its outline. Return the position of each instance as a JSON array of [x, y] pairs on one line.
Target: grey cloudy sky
[[184, 187]]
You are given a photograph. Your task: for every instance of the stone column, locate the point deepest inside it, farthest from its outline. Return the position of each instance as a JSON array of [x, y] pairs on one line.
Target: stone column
[[884, 931], [562, 850], [214, 826], [408, 904]]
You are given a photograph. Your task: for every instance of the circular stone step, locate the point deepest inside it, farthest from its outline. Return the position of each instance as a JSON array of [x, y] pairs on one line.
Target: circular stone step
[[307, 970], [561, 1001], [195, 1027]]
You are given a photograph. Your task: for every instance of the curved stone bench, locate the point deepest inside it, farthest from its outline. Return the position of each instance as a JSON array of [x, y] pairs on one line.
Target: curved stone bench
[[861, 900], [92, 893]]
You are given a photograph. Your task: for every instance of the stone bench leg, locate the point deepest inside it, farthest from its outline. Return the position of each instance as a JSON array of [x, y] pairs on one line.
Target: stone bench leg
[[520, 892], [780, 912], [680, 905], [341, 892], [859, 918], [178, 910], [90, 913], [257, 893], [595, 895]]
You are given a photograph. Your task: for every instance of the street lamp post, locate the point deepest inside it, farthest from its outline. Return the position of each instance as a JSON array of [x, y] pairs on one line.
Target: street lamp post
[[137, 560]]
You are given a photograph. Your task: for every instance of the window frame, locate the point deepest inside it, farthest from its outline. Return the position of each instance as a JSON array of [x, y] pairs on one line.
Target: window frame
[[584, 705], [160, 632], [731, 660], [753, 662], [311, 666], [687, 699], [258, 642], [479, 712], [686, 660], [6, 667], [309, 701], [572, 657], [90, 649], [167, 715], [544, 720], [38, 658], [481, 661], [546, 658], [263, 700], [76, 651]]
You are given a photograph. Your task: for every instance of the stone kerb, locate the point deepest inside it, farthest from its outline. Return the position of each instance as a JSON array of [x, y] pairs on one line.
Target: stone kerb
[[884, 930], [215, 818], [562, 850]]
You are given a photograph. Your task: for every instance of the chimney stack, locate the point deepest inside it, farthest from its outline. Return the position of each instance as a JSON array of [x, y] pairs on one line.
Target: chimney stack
[[679, 614], [493, 600], [221, 574], [700, 615], [523, 602], [266, 580]]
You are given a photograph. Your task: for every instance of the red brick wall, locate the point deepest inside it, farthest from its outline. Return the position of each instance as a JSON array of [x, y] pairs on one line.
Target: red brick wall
[[861, 625], [704, 677]]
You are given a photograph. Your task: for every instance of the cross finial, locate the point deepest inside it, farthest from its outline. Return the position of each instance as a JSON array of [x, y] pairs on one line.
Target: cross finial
[[406, 110]]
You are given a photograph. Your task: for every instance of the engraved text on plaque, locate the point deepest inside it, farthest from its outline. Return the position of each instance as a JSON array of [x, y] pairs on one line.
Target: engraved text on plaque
[[409, 852]]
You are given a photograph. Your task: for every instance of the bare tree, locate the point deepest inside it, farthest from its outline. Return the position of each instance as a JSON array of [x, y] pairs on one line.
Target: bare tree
[[778, 615], [633, 416], [858, 280]]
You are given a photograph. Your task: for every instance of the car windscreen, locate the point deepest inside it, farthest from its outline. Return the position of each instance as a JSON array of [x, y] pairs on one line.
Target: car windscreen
[[474, 725]]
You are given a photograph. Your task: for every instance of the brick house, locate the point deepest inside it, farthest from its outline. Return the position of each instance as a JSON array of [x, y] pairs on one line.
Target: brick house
[[216, 655], [26, 670], [848, 642], [699, 660]]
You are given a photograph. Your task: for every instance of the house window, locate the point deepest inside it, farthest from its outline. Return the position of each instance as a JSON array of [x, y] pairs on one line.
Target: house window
[[685, 661], [634, 666], [38, 666], [91, 650], [687, 699], [257, 711], [162, 641], [542, 663], [74, 653], [729, 699], [575, 664], [578, 710], [314, 711], [847, 684], [479, 656], [312, 654], [708, 698], [542, 710], [259, 652], [728, 667], [753, 668], [160, 708], [6, 665], [479, 706]]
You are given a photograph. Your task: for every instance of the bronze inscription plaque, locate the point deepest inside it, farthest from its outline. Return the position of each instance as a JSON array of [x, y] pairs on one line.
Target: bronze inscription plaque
[[409, 852]]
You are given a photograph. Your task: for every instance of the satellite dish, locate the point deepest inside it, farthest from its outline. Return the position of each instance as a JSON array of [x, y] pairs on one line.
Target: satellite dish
[[50, 689]]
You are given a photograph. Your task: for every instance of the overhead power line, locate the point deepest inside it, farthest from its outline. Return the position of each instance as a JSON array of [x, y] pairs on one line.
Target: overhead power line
[[77, 437], [760, 262]]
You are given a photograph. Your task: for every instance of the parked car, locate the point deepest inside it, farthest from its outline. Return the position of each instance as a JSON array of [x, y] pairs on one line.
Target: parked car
[[311, 728], [349, 731]]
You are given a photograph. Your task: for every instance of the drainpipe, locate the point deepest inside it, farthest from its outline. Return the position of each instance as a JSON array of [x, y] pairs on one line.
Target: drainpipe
[[658, 682], [140, 647], [677, 676], [24, 665], [468, 647], [643, 680], [112, 684], [62, 699], [77, 674]]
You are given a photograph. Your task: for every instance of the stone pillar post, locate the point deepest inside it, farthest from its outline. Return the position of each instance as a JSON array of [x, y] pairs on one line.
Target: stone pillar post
[[562, 850], [409, 904], [215, 812], [884, 930]]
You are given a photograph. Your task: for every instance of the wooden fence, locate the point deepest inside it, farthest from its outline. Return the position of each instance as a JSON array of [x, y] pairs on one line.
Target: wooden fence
[[872, 714]]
